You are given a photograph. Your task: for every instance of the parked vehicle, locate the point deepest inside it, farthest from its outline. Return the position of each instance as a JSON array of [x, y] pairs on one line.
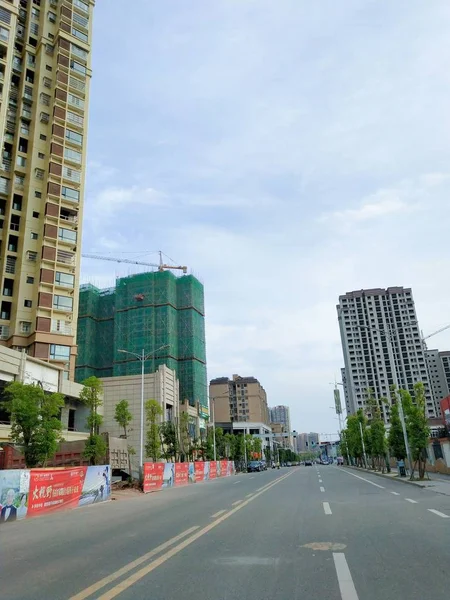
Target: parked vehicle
[[308, 463], [254, 465], [263, 465], [289, 464]]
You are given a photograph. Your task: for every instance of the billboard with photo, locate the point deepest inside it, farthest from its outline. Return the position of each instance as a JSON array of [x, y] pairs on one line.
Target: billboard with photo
[[153, 477], [53, 489], [181, 473]]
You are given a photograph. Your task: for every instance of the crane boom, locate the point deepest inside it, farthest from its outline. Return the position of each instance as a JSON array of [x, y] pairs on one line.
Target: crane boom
[[436, 332], [161, 266]]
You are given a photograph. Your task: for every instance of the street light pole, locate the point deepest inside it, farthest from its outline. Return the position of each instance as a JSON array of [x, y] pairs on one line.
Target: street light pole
[[142, 357], [141, 442], [214, 428]]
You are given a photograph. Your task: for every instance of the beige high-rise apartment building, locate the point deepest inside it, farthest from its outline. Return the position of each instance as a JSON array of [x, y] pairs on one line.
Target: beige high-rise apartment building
[[45, 71], [238, 399]]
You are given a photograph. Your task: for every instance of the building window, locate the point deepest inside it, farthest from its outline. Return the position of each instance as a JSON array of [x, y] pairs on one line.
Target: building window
[[79, 51], [41, 155], [74, 137], [27, 303], [25, 326], [82, 5], [32, 256], [79, 20], [51, 16], [21, 161], [67, 235], [62, 302], [79, 34], [35, 13], [37, 195], [72, 155], [58, 352], [34, 235], [39, 173], [5, 15], [75, 101], [70, 194], [42, 137], [35, 214], [64, 279], [78, 67], [30, 279], [4, 34]]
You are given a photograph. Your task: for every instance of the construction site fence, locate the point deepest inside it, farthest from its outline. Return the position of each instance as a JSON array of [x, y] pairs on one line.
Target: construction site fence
[[160, 475], [27, 493]]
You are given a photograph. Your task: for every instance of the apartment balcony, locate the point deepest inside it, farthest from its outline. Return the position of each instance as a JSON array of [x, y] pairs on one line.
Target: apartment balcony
[[69, 218], [5, 165], [62, 328], [65, 258]]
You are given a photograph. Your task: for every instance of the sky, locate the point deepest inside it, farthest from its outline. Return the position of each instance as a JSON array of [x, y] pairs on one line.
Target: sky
[[287, 152]]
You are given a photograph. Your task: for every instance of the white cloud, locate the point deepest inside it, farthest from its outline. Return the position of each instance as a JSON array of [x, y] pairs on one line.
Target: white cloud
[[286, 156]]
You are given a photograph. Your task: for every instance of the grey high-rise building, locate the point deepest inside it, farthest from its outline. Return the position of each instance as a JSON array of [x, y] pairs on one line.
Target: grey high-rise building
[[438, 364], [307, 442], [364, 318], [281, 414]]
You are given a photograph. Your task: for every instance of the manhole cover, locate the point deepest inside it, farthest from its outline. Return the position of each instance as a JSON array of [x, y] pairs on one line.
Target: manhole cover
[[325, 546]]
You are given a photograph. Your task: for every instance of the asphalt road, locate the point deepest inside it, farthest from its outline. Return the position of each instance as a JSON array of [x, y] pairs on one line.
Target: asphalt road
[[303, 532]]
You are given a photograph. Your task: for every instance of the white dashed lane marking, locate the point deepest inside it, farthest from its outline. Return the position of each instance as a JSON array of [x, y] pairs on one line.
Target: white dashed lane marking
[[438, 513], [326, 508]]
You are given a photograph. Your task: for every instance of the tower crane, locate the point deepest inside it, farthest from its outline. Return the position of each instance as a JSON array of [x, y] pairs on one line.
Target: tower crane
[[436, 332], [161, 266]]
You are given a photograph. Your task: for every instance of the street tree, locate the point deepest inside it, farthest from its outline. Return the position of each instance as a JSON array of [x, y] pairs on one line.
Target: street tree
[[376, 434], [184, 437], [229, 445], [220, 443], [417, 426], [35, 424], [395, 438], [92, 396], [257, 447], [123, 418], [169, 440], [153, 411]]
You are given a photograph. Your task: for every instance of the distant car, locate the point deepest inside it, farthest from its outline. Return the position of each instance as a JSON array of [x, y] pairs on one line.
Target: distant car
[[254, 465], [289, 464], [308, 463]]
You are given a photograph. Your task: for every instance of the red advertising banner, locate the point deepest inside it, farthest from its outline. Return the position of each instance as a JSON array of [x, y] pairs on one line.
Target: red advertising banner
[[153, 477], [181, 473], [52, 489], [199, 471], [223, 468], [213, 469]]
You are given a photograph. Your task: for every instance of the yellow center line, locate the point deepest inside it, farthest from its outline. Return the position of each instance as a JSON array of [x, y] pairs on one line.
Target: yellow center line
[[235, 503], [130, 566], [127, 583], [218, 513]]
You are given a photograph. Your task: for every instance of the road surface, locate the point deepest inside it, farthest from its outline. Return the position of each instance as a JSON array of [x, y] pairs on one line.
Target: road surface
[[301, 532]]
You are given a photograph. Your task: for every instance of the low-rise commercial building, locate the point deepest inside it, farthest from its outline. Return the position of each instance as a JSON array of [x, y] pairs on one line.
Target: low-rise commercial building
[[162, 386], [18, 366]]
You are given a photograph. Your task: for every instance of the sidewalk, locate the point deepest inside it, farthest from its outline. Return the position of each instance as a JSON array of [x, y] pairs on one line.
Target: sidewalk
[[437, 483]]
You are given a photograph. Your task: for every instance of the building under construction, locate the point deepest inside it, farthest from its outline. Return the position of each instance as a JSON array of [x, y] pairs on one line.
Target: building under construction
[[156, 312]]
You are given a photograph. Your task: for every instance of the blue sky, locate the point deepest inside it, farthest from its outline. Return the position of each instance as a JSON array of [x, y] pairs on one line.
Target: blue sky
[[287, 152]]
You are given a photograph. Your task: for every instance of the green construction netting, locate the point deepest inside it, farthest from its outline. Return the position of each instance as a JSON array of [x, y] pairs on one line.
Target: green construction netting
[[145, 311]]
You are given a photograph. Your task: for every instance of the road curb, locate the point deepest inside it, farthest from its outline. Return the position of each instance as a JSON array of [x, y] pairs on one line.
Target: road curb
[[415, 483]]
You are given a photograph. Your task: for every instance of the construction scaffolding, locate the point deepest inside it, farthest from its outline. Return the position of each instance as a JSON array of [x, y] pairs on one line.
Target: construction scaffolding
[[147, 311]]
